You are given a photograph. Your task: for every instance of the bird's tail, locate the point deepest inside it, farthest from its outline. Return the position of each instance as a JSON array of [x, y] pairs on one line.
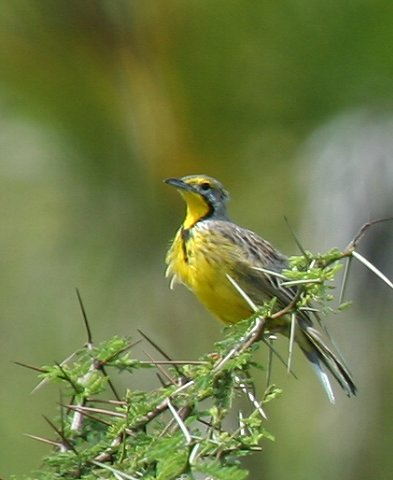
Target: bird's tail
[[320, 356]]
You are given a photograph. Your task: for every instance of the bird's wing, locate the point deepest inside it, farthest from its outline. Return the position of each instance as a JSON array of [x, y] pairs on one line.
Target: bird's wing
[[258, 268]]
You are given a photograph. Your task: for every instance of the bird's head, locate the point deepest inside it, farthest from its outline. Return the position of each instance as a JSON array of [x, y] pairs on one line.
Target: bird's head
[[205, 197]]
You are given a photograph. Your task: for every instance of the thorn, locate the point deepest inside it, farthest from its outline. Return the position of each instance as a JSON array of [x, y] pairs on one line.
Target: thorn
[[362, 231], [45, 380], [345, 279], [180, 422], [85, 320], [193, 454], [269, 362], [270, 272], [111, 386], [173, 362], [45, 440], [68, 378], [102, 411], [372, 267], [66, 442], [31, 367], [295, 237], [308, 281], [124, 349], [250, 303], [242, 428], [117, 403], [62, 423], [278, 355], [117, 473], [92, 417], [161, 380], [291, 340], [162, 370], [244, 388], [154, 345]]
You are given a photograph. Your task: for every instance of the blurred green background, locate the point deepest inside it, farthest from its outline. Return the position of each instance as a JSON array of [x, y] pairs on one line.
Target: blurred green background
[[288, 103]]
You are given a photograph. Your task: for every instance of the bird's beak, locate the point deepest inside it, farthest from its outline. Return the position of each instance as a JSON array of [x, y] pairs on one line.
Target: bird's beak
[[179, 184]]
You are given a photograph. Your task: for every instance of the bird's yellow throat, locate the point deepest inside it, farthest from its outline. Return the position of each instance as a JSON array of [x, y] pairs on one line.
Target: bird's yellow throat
[[197, 208]]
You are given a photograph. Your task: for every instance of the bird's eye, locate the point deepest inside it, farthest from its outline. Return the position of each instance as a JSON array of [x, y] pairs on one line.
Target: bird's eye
[[205, 186]]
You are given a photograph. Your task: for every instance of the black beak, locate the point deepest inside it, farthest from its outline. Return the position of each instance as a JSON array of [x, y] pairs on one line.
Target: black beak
[[178, 183]]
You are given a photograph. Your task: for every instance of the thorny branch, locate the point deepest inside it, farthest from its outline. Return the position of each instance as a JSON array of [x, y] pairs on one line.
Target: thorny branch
[[181, 382]]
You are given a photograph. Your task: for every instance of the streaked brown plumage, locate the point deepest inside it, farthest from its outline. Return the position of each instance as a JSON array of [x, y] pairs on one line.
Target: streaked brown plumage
[[208, 247]]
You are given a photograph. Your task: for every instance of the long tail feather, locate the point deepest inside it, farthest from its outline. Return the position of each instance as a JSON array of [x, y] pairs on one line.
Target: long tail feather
[[319, 354], [321, 374]]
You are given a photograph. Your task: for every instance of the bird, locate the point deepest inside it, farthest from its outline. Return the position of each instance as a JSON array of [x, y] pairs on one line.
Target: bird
[[209, 250]]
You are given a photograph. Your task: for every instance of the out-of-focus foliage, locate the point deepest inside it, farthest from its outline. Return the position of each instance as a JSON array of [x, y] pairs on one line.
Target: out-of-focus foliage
[[102, 99]]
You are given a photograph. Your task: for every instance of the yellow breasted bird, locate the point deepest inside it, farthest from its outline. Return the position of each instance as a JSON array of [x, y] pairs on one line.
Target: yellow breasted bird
[[208, 247]]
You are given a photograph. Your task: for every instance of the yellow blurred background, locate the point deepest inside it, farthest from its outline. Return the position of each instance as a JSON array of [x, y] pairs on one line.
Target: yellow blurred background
[[288, 103]]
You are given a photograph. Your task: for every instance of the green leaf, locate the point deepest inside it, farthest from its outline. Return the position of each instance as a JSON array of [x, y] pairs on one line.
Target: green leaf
[[218, 471]]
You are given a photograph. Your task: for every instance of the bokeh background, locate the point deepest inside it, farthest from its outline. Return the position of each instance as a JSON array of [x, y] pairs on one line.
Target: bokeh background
[[289, 103]]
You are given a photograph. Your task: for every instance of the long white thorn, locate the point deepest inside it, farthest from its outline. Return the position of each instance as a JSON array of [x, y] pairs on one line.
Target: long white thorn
[[180, 422], [373, 268], [257, 405], [117, 473], [242, 428], [308, 281], [46, 380], [270, 272], [291, 340], [344, 280], [250, 303]]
